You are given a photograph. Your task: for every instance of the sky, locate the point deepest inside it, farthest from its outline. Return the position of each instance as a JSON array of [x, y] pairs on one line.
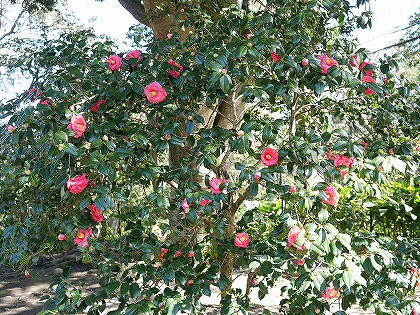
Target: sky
[[110, 18]]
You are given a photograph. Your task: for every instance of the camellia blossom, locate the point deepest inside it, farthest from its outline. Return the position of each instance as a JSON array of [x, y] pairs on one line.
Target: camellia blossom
[[330, 292], [275, 57], [61, 237], [300, 262], [162, 253], [332, 196], [185, 205], [254, 282], [76, 184], [292, 189], [257, 175], [326, 63], [134, 54], [177, 253], [190, 254], [353, 61], [82, 235], [269, 156], [416, 311], [204, 202], [155, 93], [366, 64], [304, 62], [114, 62], [10, 128], [174, 73], [47, 102], [241, 240], [78, 125], [296, 237], [215, 185], [367, 78], [97, 215], [97, 106], [342, 160]]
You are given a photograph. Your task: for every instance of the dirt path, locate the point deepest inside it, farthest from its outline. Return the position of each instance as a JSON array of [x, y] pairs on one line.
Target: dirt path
[[21, 296]]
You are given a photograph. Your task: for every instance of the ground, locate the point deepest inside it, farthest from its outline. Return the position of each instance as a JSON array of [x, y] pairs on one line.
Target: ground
[[21, 296]]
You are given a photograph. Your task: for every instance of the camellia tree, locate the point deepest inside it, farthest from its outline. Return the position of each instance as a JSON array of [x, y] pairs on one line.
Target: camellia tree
[[248, 135]]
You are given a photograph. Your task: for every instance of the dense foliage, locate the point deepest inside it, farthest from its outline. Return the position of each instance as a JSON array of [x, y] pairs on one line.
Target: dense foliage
[[316, 182]]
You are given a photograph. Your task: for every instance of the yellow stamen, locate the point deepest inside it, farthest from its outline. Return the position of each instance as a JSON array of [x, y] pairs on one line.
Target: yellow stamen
[[81, 235], [153, 93], [268, 156]]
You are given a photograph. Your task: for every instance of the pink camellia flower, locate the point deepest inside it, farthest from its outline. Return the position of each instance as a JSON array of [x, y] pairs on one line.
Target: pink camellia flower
[[204, 202], [162, 253], [190, 282], [296, 237], [364, 144], [292, 189], [257, 175], [190, 254], [10, 128], [254, 282], [185, 205], [177, 253], [342, 160], [155, 93], [416, 311], [78, 125], [269, 157], [61, 237], [114, 62], [82, 235], [304, 62], [27, 274], [326, 63], [97, 215], [300, 262], [241, 240], [215, 185], [332, 196], [76, 184], [33, 90], [367, 78], [174, 73], [330, 292], [366, 71], [248, 36], [169, 35], [97, 106], [134, 54], [275, 57], [353, 61]]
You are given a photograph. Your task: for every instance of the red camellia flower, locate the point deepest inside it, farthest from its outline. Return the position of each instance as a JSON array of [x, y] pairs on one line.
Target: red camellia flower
[[367, 78], [78, 125], [269, 157], [162, 253], [241, 240], [82, 235], [416, 311], [254, 282], [76, 184], [27, 274], [300, 262], [177, 253], [342, 160], [353, 61], [304, 62], [62, 237], [215, 185], [292, 189], [330, 292], [257, 175], [190, 254], [326, 63], [204, 202], [332, 196], [97, 106], [363, 66], [155, 93], [47, 102], [296, 237], [275, 57], [134, 54], [114, 62], [174, 73], [97, 215], [10, 128]]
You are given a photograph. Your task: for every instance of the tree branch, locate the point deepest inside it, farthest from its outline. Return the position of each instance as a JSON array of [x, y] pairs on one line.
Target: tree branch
[[136, 9], [12, 29]]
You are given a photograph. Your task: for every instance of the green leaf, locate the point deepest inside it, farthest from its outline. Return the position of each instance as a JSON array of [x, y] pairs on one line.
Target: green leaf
[[61, 136], [348, 278], [189, 127], [70, 149], [225, 82], [319, 88], [253, 190]]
